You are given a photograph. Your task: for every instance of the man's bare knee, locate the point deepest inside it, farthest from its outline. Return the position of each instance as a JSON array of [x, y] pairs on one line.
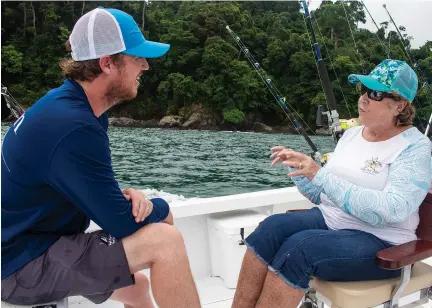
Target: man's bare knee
[[152, 243]]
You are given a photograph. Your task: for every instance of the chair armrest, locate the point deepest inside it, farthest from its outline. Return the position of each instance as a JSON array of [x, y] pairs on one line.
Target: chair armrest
[[300, 210], [405, 254]]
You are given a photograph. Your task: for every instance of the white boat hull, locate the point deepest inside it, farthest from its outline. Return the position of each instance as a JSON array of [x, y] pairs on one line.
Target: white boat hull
[[191, 219]]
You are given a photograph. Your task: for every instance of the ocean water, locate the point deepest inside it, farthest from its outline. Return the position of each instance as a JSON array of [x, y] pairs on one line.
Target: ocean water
[[196, 163]]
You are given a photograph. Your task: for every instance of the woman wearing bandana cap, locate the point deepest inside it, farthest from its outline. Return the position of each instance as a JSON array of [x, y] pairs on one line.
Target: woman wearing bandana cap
[[367, 196]]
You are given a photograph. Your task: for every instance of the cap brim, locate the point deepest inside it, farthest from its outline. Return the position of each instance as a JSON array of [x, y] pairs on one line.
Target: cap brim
[[148, 49], [369, 82]]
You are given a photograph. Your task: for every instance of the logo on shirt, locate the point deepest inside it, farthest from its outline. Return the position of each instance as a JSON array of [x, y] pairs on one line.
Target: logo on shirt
[[372, 166]]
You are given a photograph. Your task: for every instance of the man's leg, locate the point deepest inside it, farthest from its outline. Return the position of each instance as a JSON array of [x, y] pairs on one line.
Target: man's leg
[[94, 264], [135, 296], [160, 247]]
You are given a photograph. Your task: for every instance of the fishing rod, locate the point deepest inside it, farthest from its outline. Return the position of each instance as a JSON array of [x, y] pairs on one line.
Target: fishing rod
[[16, 109], [406, 49], [334, 122], [415, 65], [378, 28], [333, 116], [353, 38], [400, 35], [428, 125], [319, 115], [276, 94]]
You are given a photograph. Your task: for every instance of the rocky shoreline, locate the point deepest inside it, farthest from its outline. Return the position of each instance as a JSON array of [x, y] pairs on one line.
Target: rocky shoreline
[[180, 123], [197, 117]]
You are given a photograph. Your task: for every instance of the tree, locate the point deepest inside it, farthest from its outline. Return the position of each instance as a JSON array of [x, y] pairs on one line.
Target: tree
[[204, 65]]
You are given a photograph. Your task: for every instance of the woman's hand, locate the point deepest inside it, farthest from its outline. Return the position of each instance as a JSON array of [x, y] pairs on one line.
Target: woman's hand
[[304, 164], [141, 206]]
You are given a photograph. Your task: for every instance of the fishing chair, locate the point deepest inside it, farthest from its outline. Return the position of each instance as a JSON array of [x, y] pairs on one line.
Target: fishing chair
[[63, 303], [414, 285]]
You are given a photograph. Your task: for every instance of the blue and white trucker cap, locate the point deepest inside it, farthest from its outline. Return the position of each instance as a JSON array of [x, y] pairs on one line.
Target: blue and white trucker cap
[[103, 32], [390, 76]]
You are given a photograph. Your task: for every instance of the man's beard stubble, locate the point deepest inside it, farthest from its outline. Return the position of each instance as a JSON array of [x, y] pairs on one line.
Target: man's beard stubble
[[119, 91]]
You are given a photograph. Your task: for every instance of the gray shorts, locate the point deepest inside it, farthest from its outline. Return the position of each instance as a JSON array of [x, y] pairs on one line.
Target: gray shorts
[[92, 265]]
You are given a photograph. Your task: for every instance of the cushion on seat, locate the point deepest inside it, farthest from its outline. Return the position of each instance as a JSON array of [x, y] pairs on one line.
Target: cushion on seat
[[361, 294]]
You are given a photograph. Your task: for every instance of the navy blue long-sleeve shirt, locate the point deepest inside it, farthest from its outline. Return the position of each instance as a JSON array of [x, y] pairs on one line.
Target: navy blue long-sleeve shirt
[[56, 175]]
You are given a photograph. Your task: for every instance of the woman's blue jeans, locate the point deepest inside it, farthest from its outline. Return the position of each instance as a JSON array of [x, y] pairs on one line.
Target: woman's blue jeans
[[298, 245]]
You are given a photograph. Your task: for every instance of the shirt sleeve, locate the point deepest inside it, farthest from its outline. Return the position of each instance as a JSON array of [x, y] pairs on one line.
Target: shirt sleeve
[[80, 169], [308, 188], [409, 181]]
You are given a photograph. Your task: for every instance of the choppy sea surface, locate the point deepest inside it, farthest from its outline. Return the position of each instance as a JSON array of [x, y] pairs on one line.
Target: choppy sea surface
[[196, 163]]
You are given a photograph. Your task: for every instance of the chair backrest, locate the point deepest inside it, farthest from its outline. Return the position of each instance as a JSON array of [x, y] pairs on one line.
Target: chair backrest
[[424, 229]]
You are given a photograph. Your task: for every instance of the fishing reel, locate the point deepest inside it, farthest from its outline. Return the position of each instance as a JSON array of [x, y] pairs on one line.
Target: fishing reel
[[344, 123], [336, 132]]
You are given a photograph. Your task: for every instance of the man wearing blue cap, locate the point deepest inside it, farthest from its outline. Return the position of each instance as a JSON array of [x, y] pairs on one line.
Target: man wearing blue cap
[[57, 176]]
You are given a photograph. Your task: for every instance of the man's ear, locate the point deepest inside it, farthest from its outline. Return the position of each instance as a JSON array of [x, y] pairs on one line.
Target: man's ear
[[106, 64]]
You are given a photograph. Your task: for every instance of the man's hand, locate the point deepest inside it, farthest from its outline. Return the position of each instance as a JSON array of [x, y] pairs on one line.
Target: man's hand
[[141, 206], [305, 165]]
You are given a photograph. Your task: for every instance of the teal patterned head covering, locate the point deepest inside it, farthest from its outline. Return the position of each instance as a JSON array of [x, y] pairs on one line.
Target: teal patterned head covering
[[390, 76]]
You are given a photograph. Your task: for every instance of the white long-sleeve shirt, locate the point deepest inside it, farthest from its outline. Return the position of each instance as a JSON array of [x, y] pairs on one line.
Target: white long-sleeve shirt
[[376, 187]]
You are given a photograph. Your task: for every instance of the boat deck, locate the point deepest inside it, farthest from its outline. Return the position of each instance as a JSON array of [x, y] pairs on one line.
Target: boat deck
[[191, 218], [213, 294]]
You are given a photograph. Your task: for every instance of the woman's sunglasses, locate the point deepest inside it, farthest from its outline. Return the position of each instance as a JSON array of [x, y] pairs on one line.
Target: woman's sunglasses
[[376, 95]]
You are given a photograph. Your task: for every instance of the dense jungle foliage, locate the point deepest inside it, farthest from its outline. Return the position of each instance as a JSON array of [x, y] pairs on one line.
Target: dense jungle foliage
[[204, 67]]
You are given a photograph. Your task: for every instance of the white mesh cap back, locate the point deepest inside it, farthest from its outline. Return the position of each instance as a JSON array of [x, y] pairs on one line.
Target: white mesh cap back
[[96, 34]]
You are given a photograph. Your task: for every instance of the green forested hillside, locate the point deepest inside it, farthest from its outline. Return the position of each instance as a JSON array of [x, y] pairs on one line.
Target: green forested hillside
[[204, 69]]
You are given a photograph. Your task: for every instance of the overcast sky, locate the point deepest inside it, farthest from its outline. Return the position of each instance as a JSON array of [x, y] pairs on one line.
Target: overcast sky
[[415, 15]]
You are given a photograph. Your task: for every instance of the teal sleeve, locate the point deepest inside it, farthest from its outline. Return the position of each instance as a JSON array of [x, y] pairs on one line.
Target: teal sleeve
[[409, 181], [307, 188]]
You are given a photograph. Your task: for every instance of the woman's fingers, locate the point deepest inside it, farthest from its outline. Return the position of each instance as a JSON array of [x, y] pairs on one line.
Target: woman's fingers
[[284, 155], [288, 153], [291, 163], [276, 160], [274, 155], [277, 148], [296, 173]]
